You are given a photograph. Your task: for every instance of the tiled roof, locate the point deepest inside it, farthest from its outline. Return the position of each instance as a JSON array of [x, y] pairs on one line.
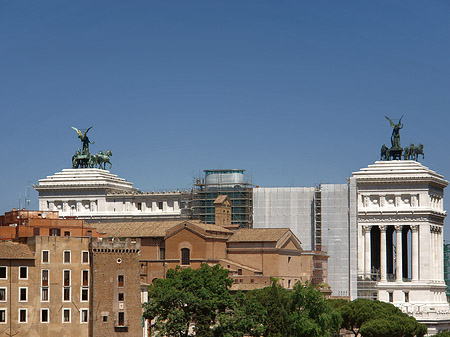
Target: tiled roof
[[149, 228], [135, 229], [221, 199], [258, 234], [12, 250], [240, 265]]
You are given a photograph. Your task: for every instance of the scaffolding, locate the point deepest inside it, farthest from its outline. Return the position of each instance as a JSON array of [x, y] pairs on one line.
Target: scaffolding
[[318, 218], [367, 286], [447, 268], [241, 196]]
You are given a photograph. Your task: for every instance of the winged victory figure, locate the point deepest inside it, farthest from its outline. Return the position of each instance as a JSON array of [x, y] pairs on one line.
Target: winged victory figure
[[395, 138], [84, 139]]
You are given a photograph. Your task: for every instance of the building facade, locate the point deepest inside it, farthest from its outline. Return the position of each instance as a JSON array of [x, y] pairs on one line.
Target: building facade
[[45, 287], [319, 217], [96, 195], [400, 222], [116, 304]]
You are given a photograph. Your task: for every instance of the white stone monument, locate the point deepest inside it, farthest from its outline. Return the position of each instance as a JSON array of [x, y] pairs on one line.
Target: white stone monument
[[400, 220], [96, 195]]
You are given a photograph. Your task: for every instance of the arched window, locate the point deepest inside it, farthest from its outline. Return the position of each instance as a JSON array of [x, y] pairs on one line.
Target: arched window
[[185, 256]]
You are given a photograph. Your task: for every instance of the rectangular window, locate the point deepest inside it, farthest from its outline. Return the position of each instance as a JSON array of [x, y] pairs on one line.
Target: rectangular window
[[23, 273], [162, 253], [67, 256], [121, 319], [44, 294], [23, 315], [36, 231], [45, 316], [84, 257], [406, 297], [185, 256], [391, 297], [66, 278], [105, 318], [139, 206], [66, 316], [84, 316], [120, 280], [45, 277], [3, 297], [45, 256], [66, 294], [23, 294], [85, 278], [3, 273], [84, 294], [66, 233], [66, 283], [160, 205], [2, 316], [55, 232], [121, 297]]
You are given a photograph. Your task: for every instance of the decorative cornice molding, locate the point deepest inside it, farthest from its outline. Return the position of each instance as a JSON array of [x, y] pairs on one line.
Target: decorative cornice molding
[[392, 219]]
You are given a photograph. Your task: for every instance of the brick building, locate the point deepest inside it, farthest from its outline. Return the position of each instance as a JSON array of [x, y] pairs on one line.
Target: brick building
[[116, 305], [251, 256], [65, 281]]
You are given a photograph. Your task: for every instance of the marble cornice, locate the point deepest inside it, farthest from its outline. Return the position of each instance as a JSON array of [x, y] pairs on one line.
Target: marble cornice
[[395, 218], [403, 179]]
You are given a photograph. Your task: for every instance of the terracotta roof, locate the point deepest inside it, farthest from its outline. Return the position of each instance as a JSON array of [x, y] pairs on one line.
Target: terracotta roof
[[258, 234], [221, 199], [135, 229], [148, 228], [212, 228], [243, 266], [12, 250]]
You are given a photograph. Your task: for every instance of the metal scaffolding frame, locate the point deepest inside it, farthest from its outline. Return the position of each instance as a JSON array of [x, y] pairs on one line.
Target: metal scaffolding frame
[[241, 197]]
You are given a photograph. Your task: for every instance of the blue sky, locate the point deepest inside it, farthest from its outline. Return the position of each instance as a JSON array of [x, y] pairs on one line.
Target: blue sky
[[295, 92]]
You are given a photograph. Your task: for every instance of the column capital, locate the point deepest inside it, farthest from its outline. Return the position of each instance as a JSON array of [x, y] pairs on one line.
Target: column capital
[[366, 228], [398, 228], [414, 228], [435, 229], [383, 228]]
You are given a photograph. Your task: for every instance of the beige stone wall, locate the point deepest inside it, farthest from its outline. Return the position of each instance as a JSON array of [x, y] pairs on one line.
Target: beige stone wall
[[55, 327]]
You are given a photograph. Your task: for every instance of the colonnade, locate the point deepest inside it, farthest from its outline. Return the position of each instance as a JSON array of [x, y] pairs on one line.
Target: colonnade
[[380, 253]]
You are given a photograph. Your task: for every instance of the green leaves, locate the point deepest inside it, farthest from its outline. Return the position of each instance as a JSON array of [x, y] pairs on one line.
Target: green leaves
[[378, 319], [198, 302], [189, 300]]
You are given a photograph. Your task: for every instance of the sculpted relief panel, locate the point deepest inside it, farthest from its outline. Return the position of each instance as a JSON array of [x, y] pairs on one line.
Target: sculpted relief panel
[[393, 201]]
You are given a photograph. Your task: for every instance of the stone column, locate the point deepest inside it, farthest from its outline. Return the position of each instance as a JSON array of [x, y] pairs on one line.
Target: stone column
[[415, 252], [398, 255], [383, 267], [433, 272], [440, 256], [367, 257]]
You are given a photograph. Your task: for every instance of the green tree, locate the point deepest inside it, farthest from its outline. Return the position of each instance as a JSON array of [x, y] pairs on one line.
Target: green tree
[[375, 318], [442, 334], [189, 298], [395, 326], [311, 314], [246, 318]]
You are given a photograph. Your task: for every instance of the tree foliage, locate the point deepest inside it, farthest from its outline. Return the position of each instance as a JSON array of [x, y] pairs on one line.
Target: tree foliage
[[442, 334], [189, 300], [312, 315], [378, 319]]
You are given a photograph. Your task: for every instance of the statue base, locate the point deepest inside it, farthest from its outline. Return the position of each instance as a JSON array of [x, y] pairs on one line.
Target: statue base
[[395, 153]]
